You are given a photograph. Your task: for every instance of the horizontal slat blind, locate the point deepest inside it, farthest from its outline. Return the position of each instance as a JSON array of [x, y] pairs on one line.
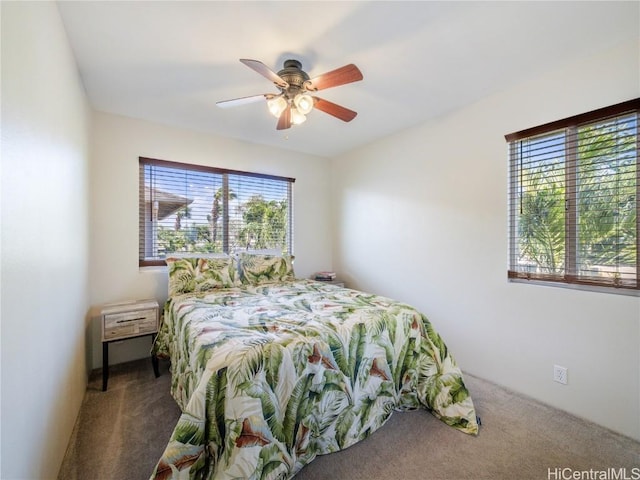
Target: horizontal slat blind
[[606, 201], [260, 221], [573, 199], [538, 205], [187, 209]]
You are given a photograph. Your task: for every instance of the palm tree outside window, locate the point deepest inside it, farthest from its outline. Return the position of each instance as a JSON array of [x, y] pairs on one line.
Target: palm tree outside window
[[574, 197], [193, 210]]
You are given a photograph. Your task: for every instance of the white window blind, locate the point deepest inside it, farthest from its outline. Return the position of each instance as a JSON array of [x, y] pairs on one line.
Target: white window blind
[[574, 197], [191, 209]]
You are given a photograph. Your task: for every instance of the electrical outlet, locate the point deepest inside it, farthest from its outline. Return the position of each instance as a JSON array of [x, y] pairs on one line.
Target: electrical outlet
[[560, 374]]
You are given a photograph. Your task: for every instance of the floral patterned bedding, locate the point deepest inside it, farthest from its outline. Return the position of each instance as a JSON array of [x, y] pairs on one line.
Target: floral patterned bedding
[[270, 376]]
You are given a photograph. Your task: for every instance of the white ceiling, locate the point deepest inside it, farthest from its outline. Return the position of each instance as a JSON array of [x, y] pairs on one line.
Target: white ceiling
[[171, 61]]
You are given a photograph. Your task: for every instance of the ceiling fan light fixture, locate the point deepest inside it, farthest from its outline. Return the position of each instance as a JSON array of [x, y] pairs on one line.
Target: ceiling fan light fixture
[[304, 103], [297, 117], [277, 105], [296, 98]]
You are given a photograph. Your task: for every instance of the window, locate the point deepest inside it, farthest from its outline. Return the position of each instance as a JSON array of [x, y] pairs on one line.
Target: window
[[574, 197], [186, 209]]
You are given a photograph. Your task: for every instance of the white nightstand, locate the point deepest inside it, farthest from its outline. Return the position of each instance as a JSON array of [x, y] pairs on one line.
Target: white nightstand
[[124, 320]]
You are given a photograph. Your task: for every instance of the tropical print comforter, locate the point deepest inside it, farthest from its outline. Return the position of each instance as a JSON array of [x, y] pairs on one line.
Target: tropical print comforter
[[270, 376]]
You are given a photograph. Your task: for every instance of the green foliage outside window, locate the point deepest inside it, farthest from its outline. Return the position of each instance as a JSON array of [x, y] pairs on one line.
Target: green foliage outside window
[[186, 209], [574, 203], [263, 225]]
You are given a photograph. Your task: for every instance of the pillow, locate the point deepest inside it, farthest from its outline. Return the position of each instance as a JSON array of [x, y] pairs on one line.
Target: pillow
[[199, 274], [258, 269]]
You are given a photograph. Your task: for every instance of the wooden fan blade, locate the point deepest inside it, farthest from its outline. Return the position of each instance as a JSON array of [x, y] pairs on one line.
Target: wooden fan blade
[[266, 72], [235, 102], [334, 109], [284, 121], [340, 76]]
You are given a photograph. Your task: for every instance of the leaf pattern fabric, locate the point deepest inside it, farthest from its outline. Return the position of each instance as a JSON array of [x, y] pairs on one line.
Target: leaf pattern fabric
[[269, 376], [256, 269], [193, 274]]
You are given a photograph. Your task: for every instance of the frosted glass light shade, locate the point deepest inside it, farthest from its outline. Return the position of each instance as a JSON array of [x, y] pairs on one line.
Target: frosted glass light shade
[[276, 106], [303, 102], [296, 117]]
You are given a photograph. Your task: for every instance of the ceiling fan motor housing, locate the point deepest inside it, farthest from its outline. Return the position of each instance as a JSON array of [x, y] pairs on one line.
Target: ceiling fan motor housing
[[293, 74]]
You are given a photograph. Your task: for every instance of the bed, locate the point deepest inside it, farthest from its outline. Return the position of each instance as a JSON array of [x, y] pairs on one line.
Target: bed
[[270, 371]]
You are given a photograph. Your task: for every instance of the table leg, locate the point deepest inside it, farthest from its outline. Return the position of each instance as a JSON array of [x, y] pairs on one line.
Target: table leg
[[154, 362], [154, 358], [105, 365]]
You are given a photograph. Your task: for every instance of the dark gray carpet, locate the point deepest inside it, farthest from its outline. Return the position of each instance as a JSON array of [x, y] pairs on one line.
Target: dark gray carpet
[[121, 433]]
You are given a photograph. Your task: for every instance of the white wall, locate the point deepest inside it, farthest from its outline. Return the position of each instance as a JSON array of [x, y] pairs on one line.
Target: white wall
[[117, 144], [422, 217], [45, 240]]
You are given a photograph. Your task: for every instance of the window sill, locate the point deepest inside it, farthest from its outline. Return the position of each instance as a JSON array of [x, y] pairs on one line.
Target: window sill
[[585, 288], [152, 268]]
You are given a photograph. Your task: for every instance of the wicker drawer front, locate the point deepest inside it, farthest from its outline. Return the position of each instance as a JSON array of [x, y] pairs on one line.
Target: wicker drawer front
[[128, 324]]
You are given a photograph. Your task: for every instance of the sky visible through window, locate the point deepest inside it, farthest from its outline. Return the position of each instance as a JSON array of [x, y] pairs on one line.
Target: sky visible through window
[[200, 188]]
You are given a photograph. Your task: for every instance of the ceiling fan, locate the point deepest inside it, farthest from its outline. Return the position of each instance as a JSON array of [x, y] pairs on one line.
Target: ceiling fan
[[294, 101]]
